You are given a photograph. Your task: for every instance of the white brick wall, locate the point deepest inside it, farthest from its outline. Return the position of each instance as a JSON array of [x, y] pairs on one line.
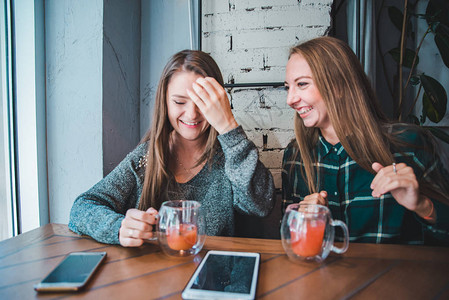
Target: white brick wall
[[250, 40]]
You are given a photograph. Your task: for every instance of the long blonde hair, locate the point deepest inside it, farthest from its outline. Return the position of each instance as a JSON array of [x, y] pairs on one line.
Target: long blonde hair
[[351, 104], [360, 125], [157, 175]]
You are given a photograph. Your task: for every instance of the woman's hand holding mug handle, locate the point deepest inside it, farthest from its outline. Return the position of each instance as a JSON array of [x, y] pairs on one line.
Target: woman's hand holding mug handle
[[137, 226]]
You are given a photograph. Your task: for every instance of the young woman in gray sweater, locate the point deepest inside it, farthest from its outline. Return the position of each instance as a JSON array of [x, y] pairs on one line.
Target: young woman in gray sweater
[[194, 150]]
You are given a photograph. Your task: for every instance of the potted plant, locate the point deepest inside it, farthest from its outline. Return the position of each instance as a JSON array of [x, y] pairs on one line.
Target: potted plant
[[408, 80]]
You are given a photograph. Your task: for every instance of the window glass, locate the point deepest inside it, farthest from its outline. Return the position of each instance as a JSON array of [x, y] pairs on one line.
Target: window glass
[[6, 222], [4, 209]]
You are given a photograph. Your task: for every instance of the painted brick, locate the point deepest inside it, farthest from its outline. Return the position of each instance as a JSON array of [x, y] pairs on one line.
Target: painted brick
[[262, 109], [247, 39], [244, 4], [280, 138], [315, 16], [255, 75], [318, 4], [214, 6], [255, 137], [250, 40], [265, 97], [219, 42], [276, 139], [261, 19], [258, 59], [272, 59], [277, 57], [310, 33], [258, 119], [283, 18], [219, 22], [277, 177], [294, 16], [271, 159], [253, 59]]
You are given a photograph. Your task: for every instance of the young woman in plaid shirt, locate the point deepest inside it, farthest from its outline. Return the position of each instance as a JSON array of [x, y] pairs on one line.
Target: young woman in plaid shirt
[[384, 180]]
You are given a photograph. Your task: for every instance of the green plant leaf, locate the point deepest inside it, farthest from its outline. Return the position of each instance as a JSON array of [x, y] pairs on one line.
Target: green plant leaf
[[438, 133], [422, 118], [396, 16], [434, 26], [409, 54], [434, 99], [442, 42], [442, 29], [414, 80], [413, 119], [438, 11]]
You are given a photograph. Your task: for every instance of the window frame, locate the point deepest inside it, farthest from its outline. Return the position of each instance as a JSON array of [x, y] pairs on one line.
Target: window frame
[[8, 119], [28, 97]]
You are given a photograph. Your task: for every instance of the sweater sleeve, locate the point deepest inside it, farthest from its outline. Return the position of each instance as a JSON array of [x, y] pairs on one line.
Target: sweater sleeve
[[252, 183], [100, 211], [287, 173]]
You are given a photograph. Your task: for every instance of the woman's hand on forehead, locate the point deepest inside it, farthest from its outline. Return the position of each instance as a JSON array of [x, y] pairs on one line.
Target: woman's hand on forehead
[[211, 99]]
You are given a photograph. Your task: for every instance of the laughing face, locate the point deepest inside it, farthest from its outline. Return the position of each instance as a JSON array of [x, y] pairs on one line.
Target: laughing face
[[185, 117], [303, 95]]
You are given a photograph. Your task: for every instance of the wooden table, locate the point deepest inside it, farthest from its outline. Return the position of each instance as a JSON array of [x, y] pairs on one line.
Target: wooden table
[[366, 271]]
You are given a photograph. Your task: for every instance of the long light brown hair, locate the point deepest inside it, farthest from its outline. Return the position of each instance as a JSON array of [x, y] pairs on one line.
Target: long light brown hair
[[157, 175], [353, 110]]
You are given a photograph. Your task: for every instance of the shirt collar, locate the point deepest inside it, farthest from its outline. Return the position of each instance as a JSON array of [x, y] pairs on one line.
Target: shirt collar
[[324, 147]]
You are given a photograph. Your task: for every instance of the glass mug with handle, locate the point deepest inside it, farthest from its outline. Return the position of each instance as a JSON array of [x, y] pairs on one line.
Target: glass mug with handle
[[307, 232], [181, 228]]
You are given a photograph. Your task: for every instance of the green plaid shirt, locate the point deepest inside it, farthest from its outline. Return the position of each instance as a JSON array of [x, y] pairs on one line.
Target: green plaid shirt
[[369, 219]]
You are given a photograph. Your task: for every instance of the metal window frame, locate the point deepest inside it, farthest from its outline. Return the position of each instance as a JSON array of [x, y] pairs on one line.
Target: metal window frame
[[8, 117], [28, 96]]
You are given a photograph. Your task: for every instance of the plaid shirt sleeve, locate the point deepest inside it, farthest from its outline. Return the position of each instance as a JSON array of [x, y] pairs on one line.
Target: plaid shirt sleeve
[[369, 219]]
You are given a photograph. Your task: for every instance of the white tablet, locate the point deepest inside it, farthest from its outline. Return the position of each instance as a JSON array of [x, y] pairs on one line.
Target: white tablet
[[224, 275]]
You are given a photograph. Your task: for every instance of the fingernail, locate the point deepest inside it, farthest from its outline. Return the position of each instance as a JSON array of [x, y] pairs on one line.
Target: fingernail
[[151, 210]]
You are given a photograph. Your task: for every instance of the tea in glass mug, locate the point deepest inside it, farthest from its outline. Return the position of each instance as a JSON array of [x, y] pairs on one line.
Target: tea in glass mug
[[181, 227], [307, 232]]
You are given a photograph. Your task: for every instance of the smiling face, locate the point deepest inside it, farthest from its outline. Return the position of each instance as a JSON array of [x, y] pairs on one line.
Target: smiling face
[[185, 117], [303, 95]]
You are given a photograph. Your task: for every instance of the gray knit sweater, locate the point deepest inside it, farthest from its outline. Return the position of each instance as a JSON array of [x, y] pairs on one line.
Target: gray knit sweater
[[237, 180]]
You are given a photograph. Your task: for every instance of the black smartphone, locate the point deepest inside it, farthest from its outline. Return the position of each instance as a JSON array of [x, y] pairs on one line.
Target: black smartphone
[[224, 275], [72, 273]]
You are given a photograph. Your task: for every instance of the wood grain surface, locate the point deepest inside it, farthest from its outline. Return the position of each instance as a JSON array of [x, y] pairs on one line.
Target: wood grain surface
[[366, 271]]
